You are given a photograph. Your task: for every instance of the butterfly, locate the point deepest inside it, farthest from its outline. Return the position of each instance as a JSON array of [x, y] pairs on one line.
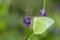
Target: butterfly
[[41, 24]]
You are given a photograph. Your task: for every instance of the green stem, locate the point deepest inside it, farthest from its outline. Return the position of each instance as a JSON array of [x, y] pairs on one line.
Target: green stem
[[27, 11], [44, 4], [28, 2], [27, 33], [31, 36]]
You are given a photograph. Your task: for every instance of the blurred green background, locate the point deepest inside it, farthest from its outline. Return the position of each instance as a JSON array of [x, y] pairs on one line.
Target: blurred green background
[[13, 11]]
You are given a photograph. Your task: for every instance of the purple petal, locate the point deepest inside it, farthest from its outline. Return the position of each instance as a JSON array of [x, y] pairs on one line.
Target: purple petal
[[28, 23], [42, 13], [24, 20], [29, 17]]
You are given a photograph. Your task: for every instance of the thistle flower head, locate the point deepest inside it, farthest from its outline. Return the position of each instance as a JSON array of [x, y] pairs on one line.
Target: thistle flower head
[[42, 13], [27, 21]]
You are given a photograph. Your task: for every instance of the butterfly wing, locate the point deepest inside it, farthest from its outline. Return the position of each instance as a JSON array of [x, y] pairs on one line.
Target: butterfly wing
[[41, 24]]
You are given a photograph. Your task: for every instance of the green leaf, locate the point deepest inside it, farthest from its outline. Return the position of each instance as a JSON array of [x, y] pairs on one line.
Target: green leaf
[[41, 24]]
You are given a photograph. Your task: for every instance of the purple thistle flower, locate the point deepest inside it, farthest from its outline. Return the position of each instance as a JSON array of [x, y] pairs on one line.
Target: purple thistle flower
[[27, 22], [29, 17], [42, 13]]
